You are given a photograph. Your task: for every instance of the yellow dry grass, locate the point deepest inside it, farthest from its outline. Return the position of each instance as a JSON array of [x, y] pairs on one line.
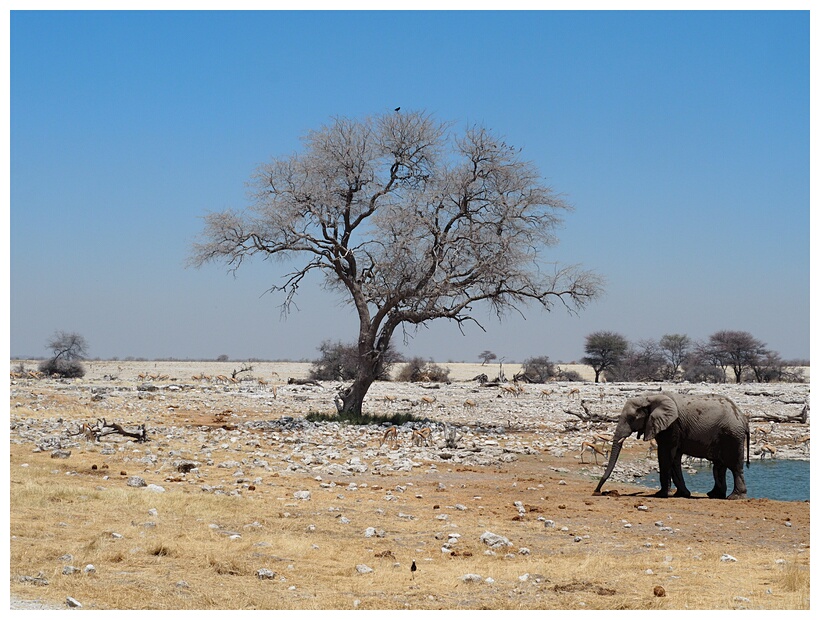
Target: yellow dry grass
[[188, 549]]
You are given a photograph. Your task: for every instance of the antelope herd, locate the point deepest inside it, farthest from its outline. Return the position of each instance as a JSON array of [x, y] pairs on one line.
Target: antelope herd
[[419, 437]]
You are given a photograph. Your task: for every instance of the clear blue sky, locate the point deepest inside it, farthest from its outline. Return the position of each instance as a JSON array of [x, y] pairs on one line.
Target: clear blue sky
[[681, 139]]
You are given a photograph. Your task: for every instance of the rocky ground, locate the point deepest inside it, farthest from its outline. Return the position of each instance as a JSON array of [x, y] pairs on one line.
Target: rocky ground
[[198, 415]]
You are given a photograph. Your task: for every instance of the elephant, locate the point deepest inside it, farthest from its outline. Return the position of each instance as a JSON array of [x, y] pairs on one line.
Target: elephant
[[706, 426]]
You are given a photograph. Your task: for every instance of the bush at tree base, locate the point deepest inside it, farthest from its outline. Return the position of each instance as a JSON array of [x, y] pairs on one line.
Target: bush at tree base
[[69, 369]]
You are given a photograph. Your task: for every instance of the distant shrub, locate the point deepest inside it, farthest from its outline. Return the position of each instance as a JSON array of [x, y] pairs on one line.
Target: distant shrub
[[337, 362], [417, 369], [702, 373], [340, 362], [569, 375], [69, 369], [538, 369]]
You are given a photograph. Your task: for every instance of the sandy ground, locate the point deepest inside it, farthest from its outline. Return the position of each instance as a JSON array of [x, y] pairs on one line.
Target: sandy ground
[[531, 438]]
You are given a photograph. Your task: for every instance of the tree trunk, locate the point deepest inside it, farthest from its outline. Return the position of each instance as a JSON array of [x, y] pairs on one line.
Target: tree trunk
[[353, 396], [368, 371]]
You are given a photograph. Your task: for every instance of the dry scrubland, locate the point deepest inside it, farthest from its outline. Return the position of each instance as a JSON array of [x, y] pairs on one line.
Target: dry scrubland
[[245, 508]]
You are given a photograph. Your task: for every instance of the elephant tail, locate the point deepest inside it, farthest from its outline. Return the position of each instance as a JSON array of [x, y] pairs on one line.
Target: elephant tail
[[748, 445]]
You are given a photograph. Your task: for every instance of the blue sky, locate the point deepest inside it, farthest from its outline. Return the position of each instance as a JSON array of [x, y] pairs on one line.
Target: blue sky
[[681, 139]]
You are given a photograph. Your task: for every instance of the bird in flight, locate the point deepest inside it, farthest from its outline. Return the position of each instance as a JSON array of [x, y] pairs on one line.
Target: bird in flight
[[397, 109]]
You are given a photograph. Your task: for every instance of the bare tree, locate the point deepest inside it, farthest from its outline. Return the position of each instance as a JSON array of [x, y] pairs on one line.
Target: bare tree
[[68, 349], [640, 362], [770, 367], [674, 348], [68, 346], [738, 350], [409, 222], [702, 364], [604, 350]]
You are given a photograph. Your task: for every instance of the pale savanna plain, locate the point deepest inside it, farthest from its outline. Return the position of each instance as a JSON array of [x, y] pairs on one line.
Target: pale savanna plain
[[238, 501]]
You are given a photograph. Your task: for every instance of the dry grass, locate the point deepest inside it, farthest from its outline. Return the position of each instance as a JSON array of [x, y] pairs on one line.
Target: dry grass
[[187, 554]]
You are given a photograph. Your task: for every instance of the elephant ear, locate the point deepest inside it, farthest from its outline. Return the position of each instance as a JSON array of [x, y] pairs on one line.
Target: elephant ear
[[664, 411]]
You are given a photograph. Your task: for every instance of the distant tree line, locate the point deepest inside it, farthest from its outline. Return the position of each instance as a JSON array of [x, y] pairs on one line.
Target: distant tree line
[[726, 356]]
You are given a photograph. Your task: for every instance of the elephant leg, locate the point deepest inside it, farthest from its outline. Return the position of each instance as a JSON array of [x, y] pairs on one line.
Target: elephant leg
[[719, 473], [739, 492], [677, 476], [664, 470]]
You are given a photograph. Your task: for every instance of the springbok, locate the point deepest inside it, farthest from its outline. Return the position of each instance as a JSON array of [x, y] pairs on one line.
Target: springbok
[[592, 448], [804, 441], [422, 436], [509, 389], [763, 432], [390, 435], [767, 449], [428, 400], [604, 438]]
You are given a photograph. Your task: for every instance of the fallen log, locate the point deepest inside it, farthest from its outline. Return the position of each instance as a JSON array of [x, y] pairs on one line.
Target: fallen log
[[141, 435], [292, 381], [590, 416], [801, 418]]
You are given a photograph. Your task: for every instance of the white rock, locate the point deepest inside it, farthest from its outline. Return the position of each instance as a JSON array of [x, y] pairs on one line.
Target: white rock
[[494, 540], [471, 578]]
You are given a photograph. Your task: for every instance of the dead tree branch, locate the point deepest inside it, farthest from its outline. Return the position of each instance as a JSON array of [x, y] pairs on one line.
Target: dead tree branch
[[141, 435]]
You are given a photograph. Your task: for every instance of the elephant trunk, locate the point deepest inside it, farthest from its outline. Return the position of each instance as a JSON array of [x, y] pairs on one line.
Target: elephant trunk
[[617, 443]]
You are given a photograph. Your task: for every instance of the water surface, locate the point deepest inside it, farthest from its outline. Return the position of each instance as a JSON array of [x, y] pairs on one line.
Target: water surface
[[780, 479]]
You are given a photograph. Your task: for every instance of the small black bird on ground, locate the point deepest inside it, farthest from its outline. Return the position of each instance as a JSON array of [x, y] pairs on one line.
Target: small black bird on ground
[[413, 569]]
